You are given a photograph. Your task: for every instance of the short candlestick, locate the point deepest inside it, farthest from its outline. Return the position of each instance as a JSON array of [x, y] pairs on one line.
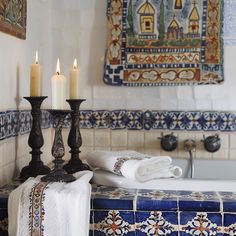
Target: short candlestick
[[58, 174]]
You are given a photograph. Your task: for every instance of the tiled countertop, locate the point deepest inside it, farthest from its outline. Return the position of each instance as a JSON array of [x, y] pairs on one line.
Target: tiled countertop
[[116, 211]]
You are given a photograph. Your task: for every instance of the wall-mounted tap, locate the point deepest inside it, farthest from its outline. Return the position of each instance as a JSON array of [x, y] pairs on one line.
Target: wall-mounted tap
[[190, 147], [169, 142], [211, 143]]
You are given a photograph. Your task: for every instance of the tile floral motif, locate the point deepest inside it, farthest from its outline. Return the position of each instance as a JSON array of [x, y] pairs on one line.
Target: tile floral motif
[[201, 224], [156, 223], [25, 121], [134, 120], [102, 119], [114, 223], [2, 126], [229, 224], [118, 119], [87, 119]]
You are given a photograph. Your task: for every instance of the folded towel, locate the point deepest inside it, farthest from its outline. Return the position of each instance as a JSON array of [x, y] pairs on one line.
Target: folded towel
[[134, 165], [50, 209]]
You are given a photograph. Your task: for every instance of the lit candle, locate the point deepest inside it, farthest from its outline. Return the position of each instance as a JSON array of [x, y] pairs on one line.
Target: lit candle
[[74, 81], [35, 78], [58, 89]]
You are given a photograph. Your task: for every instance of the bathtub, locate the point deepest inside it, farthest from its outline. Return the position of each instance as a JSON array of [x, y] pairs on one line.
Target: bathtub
[[209, 175]]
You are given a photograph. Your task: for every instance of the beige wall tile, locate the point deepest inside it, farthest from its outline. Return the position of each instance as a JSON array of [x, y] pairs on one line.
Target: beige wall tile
[[119, 138], [102, 138], [136, 139]]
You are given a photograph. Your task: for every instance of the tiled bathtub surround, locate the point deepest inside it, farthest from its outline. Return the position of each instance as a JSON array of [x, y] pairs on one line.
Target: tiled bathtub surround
[[116, 211]]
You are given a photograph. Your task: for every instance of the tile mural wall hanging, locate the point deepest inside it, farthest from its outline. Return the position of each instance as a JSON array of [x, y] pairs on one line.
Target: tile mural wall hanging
[[13, 14], [164, 42]]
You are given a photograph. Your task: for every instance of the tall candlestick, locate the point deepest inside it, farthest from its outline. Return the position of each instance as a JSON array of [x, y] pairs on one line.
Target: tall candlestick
[[58, 89], [36, 78], [74, 81]]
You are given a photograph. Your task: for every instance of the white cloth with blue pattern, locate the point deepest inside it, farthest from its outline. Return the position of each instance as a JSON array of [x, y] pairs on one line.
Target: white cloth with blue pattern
[[54, 209]]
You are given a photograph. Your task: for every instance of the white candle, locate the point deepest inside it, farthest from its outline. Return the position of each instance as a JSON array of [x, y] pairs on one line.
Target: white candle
[[35, 78], [58, 89], [74, 81]]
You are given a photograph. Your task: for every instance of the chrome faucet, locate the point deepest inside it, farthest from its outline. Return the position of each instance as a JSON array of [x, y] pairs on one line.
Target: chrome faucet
[[190, 147]]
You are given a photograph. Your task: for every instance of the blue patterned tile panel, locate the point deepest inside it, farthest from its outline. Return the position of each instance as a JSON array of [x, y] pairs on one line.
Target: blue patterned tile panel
[[151, 200], [229, 201], [200, 223], [46, 119], [102, 119], [87, 120], [3, 222], [25, 121], [156, 223], [229, 224], [134, 120], [114, 223], [113, 198], [118, 119], [2, 125], [199, 201]]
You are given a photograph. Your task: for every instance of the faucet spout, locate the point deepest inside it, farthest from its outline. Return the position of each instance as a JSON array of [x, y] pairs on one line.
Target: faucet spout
[[190, 147]]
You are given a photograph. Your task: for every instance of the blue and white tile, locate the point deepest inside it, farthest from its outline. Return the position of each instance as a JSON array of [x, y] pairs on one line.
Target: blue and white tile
[[210, 121], [156, 223], [227, 121], [25, 121], [113, 198], [102, 118], [229, 201], [199, 201], [46, 119], [87, 120], [118, 119], [2, 125], [200, 223], [134, 120], [3, 222], [229, 224], [154, 200], [114, 223]]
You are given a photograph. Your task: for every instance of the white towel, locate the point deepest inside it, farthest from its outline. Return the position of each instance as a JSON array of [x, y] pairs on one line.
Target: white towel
[[134, 165], [50, 209]]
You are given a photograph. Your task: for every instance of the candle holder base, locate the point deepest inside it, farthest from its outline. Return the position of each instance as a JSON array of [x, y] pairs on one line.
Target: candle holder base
[[33, 171], [58, 174], [75, 165]]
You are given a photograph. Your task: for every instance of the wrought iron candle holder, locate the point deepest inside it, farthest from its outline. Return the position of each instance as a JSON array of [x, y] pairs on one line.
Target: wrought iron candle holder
[[58, 174], [74, 139], [35, 141]]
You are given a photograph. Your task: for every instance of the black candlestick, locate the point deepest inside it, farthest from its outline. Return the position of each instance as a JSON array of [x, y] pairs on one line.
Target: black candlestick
[[35, 141], [74, 139], [58, 150]]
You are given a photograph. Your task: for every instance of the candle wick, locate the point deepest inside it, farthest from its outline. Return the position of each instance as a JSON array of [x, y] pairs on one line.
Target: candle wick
[[58, 73]]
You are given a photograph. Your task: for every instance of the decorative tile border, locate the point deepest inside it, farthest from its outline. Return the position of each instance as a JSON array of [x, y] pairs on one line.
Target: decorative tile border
[[13, 123]]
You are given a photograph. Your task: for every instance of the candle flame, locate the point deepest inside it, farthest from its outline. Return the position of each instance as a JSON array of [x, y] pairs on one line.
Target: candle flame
[[58, 67], [75, 66], [36, 58]]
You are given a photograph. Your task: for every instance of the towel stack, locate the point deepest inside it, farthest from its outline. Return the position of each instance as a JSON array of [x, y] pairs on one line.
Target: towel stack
[[134, 165]]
